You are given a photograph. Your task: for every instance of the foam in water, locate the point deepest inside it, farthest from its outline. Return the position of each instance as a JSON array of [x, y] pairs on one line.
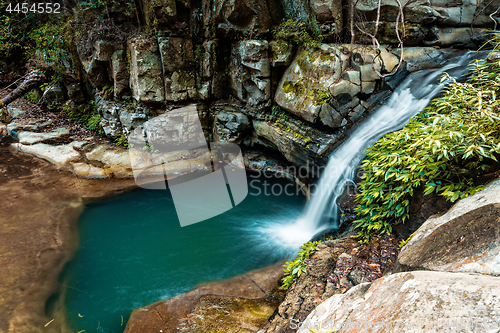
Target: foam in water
[[406, 101]]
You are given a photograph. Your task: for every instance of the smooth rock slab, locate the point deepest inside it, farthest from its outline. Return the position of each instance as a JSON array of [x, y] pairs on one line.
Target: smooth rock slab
[[420, 301], [465, 239], [58, 155], [29, 138]]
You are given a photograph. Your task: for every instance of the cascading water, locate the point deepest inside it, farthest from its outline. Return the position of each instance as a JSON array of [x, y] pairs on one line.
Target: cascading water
[[405, 102]]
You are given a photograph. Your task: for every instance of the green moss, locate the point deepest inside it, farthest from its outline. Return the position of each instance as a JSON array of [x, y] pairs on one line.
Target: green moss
[[299, 33]]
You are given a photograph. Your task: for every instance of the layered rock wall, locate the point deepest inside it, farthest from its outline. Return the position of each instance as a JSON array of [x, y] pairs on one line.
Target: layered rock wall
[[219, 52]]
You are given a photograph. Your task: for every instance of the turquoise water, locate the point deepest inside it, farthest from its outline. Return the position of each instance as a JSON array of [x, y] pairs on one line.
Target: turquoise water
[[133, 251]]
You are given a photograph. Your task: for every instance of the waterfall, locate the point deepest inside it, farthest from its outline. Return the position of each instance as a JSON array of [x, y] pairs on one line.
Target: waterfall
[[406, 101]]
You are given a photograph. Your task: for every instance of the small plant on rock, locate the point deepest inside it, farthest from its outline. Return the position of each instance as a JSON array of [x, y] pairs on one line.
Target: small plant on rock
[[294, 268]]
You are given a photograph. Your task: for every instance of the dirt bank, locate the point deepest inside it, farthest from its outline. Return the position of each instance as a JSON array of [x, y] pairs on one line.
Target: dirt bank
[[39, 209]]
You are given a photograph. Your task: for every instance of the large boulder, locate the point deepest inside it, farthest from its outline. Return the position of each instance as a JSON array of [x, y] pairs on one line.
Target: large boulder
[[146, 78], [339, 71], [308, 79], [250, 71], [465, 239], [177, 56], [411, 302]]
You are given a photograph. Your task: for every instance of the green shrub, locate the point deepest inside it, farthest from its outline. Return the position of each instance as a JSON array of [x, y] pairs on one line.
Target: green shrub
[[94, 123], [122, 141], [294, 268], [441, 150], [32, 96], [86, 116]]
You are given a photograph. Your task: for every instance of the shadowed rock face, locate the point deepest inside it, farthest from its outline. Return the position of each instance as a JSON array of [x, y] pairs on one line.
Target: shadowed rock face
[[40, 207], [243, 302], [425, 300], [465, 239]]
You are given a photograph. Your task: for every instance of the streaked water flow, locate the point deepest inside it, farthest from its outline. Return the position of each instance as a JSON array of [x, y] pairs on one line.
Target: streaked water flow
[[406, 101]]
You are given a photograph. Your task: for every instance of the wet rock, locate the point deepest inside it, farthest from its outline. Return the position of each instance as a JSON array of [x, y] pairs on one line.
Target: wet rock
[[395, 80], [177, 57], [418, 58], [146, 78], [231, 127], [250, 71], [344, 104], [464, 239], [265, 163], [421, 300], [357, 112], [376, 100], [243, 301]]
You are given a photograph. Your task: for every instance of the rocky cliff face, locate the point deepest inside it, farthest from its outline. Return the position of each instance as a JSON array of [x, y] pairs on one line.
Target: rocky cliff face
[[253, 89]]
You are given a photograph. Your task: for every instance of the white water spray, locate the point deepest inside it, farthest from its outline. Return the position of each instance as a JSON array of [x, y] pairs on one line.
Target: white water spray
[[406, 101]]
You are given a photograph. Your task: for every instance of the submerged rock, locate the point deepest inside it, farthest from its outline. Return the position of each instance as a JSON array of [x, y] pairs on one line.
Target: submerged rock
[[245, 301]]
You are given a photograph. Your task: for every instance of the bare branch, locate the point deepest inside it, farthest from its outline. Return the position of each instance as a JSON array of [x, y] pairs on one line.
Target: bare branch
[[491, 17], [475, 17], [376, 44]]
